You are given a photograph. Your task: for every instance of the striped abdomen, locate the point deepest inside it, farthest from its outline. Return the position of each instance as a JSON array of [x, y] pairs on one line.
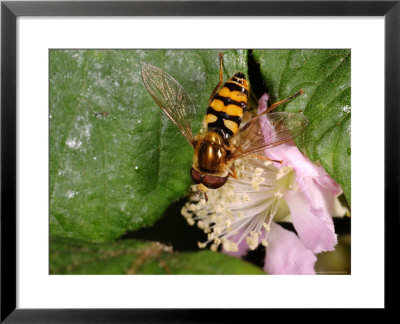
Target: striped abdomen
[[226, 107]]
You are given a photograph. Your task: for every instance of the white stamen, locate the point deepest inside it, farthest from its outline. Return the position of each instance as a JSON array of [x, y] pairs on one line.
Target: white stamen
[[241, 209], [230, 246], [283, 172], [266, 227], [259, 171], [252, 240]]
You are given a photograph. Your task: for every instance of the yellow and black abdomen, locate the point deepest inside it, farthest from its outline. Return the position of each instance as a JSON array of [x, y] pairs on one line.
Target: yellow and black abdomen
[[226, 107]]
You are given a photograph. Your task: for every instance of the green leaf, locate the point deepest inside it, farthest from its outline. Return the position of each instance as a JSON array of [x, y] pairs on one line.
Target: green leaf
[[338, 261], [116, 161], [324, 75], [69, 256]]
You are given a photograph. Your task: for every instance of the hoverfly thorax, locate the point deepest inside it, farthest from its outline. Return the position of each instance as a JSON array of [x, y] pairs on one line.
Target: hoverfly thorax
[[211, 152]]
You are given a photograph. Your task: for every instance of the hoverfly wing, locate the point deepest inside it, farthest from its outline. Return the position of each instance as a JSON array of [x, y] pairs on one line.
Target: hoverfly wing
[[171, 97], [268, 130]]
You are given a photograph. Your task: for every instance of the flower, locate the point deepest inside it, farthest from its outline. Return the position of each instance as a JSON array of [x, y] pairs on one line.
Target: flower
[[312, 206], [244, 212]]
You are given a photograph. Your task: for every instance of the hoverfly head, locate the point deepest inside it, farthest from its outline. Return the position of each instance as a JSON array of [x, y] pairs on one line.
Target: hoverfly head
[[214, 182], [207, 181]]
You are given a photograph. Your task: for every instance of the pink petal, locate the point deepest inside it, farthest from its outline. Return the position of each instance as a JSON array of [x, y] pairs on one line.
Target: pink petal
[[263, 103], [291, 155], [302, 165], [313, 222], [311, 206], [286, 254]]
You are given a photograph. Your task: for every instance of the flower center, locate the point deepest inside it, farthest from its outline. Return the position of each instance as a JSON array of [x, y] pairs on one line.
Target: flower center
[[242, 209]]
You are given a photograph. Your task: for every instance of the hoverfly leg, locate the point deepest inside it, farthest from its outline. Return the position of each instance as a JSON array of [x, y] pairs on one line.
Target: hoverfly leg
[[261, 157], [202, 191], [233, 174], [221, 77], [276, 104], [197, 195]]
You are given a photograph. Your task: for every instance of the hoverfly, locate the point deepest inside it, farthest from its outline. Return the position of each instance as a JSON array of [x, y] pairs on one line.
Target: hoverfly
[[225, 139]]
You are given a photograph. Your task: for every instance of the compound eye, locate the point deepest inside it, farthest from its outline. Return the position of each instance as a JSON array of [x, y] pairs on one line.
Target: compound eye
[[214, 182], [196, 176]]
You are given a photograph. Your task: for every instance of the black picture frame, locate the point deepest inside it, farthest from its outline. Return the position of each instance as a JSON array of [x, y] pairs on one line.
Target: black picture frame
[[9, 13]]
